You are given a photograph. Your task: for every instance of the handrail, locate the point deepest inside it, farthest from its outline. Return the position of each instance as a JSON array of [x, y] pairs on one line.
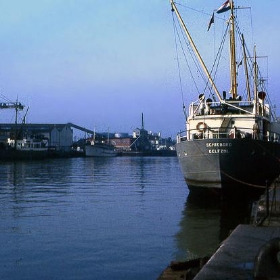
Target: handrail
[[225, 133]]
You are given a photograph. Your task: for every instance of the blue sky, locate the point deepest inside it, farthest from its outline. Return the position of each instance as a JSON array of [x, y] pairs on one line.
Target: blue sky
[[102, 63]]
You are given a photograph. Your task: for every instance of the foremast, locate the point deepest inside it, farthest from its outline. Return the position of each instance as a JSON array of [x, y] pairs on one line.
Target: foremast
[[233, 79]]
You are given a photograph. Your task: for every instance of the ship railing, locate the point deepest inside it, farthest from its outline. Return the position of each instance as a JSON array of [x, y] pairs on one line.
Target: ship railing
[[198, 108], [227, 133]]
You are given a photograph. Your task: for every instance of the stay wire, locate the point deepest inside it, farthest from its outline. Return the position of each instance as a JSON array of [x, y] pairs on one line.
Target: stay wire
[[196, 63], [2, 96], [176, 35], [177, 58], [250, 63], [216, 62], [191, 56]]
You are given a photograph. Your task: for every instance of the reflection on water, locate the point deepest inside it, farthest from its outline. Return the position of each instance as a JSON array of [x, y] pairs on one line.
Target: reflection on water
[[206, 222], [199, 233], [30, 189], [87, 218], [114, 218]]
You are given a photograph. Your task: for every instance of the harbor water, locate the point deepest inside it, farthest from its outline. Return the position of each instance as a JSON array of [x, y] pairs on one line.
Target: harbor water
[[100, 218]]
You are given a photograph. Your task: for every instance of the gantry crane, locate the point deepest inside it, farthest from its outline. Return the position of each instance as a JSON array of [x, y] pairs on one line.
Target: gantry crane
[[11, 105]]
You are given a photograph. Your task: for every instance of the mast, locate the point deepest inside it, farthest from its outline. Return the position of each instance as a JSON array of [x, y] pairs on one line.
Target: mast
[[108, 136], [174, 9], [256, 81], [233, 79], [16, 126], [246, 70]]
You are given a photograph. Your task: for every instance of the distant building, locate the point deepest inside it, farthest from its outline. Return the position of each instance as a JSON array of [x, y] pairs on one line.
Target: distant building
[[58, 136], [141, 140], [122, 143]]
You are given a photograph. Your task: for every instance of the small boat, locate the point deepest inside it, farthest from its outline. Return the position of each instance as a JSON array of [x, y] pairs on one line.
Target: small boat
[[231, 142], [95, 149], [100, 147]]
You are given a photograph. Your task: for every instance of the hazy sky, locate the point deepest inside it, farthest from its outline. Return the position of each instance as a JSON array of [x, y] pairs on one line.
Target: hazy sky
[[102, 63]]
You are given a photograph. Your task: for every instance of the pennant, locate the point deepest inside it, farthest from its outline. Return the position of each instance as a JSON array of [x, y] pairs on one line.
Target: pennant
[[225, 7], [211, 22], [240, 63]]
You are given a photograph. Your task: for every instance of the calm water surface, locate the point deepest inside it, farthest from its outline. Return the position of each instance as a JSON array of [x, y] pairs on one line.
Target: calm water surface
[[94, 218]]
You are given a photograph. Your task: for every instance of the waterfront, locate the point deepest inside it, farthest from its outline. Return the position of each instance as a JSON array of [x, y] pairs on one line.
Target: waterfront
[[100, 218]]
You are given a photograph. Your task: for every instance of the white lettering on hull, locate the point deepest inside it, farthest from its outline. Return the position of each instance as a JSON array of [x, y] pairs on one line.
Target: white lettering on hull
[[218, 151], [218, 145], [221, 144]]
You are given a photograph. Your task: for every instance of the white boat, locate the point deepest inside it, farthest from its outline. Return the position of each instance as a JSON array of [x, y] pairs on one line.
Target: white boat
[[99, 147], [95, 149], [231, 142]]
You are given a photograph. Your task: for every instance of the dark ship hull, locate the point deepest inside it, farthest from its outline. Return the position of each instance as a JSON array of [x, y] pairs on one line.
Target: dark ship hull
[[10, 154], [229, 165]]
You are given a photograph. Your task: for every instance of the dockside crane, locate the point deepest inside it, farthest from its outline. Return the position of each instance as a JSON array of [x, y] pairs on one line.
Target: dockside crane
[[11, 105], [18, 107]]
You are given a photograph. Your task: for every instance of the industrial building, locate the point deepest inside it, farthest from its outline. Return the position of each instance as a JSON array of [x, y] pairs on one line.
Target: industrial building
[[57, 136]]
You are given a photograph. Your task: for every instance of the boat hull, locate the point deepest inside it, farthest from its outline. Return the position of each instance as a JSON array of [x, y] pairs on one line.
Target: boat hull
[[9, 154], [100, 151], [229, 164]]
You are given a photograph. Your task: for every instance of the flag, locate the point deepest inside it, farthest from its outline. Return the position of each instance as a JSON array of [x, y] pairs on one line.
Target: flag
[[225, 7], [240, 63], [210, 22]]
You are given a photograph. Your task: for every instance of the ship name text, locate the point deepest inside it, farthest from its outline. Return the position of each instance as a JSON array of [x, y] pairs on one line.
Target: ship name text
[[216, 147]]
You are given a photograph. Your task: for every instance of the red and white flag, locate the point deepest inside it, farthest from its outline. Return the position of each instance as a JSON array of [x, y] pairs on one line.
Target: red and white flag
[[225, 7]]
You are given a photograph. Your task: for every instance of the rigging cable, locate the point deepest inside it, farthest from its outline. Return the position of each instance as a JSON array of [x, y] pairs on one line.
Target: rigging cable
[[197, 64], [216, 62], [4, 97], [261, 79], [206, 80], [178, 65], [185, 56], [193, 57]]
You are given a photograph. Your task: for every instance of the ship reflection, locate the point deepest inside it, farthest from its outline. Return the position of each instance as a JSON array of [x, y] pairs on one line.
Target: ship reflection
[[206, 223]]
